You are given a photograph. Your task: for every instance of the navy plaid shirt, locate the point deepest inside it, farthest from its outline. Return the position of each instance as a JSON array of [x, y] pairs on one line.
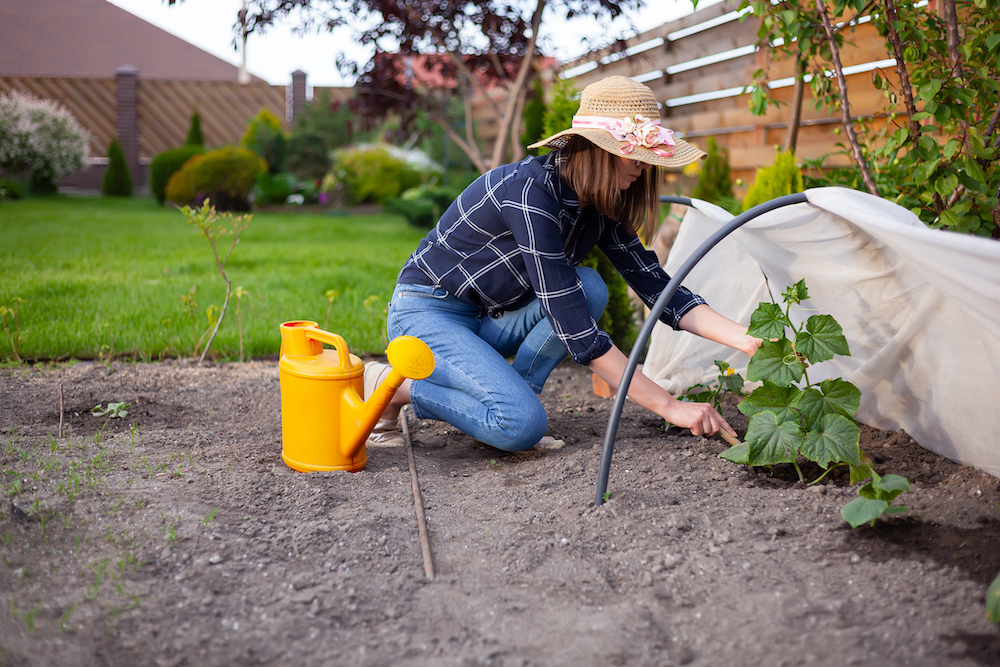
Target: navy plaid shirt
[[516, 233]]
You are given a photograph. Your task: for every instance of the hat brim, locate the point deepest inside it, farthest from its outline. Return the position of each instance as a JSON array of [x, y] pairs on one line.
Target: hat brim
[[683, 152]]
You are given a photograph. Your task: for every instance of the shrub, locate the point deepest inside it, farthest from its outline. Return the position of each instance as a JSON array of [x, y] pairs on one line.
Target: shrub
[[194, 137], [422, 206], [41, 137], [534, 117], [11, 189], [225, 175], [781, 178], [619, 318], [165, 165], [265, 138], [277, 188], [564, 105], [117, 181], [322, 128], [715, 184], [308, 156], [376, 173]]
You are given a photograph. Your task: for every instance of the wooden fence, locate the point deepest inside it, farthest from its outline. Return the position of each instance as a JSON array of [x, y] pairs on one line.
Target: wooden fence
[[154, 115], [711, 53]]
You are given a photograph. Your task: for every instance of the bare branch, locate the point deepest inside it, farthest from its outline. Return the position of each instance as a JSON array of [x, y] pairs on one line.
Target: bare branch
[[845, 107]]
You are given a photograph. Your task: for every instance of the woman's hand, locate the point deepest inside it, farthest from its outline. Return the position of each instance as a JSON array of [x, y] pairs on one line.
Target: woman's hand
[[701, 418]]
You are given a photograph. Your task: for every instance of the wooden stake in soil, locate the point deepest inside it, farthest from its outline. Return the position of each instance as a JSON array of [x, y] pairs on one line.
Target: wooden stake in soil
[[418, 503], [60, 410]]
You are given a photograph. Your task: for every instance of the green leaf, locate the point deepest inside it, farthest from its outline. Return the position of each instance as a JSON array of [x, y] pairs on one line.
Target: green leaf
[[733, 383], [890, 486], [771, 397], [832, 397], [992, 41], [737, 454], [776, 362], [796, 293], [835, 441], [862, 510], [768, 321], [993, 601], [946, 184], [821, 339], [772, 440]]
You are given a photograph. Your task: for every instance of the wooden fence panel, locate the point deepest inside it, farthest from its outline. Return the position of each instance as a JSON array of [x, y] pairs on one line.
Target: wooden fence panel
[[165, 109]]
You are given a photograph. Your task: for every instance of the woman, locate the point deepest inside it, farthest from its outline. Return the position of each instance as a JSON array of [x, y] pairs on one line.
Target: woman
[[497, 278]]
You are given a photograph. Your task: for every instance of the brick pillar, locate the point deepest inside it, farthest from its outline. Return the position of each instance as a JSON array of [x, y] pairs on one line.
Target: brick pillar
[[127, 117], [298, 94]]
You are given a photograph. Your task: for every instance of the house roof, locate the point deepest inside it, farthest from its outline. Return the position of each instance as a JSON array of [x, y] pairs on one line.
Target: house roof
[[93, 38]]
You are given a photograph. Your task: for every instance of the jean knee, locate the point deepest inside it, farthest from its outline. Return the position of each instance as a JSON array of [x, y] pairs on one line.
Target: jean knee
[[595, 289], [524, 430]]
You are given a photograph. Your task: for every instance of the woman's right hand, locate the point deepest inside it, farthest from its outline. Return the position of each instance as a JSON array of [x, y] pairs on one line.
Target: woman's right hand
[[700, 418]]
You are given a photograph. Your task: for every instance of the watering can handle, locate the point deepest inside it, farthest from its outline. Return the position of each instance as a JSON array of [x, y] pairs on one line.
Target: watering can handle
[[335, 340]]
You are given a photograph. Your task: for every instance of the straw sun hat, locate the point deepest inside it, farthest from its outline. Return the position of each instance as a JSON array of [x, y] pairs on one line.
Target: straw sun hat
[[620, 116]]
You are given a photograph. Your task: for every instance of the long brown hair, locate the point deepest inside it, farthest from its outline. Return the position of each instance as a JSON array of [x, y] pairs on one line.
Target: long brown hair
[[592, 174]]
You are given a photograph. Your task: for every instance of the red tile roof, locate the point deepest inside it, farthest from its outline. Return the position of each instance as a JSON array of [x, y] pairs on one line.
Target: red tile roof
[[92, 38]]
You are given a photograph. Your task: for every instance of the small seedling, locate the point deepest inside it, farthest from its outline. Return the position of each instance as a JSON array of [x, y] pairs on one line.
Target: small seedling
[[875, 499], [728, 381], [113, 411], [211, 515]]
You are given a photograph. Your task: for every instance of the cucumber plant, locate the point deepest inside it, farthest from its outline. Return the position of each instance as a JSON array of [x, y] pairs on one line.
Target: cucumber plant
[[815, 421]]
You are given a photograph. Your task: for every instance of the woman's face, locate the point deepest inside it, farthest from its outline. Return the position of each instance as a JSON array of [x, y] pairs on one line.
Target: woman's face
[[628, 171]]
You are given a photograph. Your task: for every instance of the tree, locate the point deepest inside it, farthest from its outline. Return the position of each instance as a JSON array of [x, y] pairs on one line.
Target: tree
[[935, 149], [460, 48], [194, 137]]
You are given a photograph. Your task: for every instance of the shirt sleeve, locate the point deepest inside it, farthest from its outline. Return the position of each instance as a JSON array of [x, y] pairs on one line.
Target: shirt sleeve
[[531, 214], [640, 269]]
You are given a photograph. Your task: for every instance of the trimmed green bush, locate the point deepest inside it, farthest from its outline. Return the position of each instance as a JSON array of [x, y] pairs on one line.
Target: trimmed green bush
[[226, 175], [422, 206], [194, 137], [715, 184], [374, 174], [619, 318], [117, 181], [166, 165], [781, 178], [11, 189], [265, 138]]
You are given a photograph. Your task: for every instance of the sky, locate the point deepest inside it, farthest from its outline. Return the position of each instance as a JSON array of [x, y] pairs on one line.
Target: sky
[[274, 55]]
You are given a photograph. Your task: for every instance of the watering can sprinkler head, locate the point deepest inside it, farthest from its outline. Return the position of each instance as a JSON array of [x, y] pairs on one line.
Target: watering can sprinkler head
[[325, 420]]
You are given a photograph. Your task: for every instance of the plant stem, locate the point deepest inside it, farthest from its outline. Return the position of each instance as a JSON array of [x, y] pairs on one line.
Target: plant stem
[[799, 471], [827, 472]]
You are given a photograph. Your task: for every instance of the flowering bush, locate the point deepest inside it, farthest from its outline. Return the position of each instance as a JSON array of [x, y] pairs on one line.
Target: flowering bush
[[40, 136]]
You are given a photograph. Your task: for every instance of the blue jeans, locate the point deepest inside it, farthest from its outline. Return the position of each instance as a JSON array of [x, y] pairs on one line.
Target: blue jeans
[[473, 386]]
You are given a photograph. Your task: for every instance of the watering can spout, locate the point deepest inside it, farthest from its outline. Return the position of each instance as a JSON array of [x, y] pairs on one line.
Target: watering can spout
[[410, 358], [324, 419]]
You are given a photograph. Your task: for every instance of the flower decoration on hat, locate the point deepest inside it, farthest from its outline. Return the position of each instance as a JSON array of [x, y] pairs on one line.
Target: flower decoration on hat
[[635, 131]]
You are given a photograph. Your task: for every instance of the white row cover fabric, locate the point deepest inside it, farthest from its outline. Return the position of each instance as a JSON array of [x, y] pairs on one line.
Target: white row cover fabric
[[920, 309]]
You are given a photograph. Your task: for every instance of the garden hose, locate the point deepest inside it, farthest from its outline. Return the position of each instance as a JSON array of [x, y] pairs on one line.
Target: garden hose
[[657, 309]]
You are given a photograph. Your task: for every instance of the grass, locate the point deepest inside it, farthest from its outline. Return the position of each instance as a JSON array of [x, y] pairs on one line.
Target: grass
[[104, 276]]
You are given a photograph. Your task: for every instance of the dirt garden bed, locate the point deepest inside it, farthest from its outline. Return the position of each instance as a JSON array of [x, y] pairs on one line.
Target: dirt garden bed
[[176, 536]]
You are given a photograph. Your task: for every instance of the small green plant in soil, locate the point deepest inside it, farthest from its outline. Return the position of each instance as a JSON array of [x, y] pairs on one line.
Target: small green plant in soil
[[786, 421], [875, 499], [993, 601], [817, 422], [113, 411], [15, 335], [728, 381]]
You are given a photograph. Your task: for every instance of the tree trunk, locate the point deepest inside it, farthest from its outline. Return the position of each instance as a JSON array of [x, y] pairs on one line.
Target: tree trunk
[[845, 107], [520, 83], [792, 136]]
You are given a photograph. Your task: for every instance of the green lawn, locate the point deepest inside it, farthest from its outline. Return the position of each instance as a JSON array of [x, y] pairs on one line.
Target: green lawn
[[99, 275]]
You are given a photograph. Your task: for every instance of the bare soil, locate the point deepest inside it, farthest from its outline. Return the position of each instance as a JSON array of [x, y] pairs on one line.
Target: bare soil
[[177, 536]]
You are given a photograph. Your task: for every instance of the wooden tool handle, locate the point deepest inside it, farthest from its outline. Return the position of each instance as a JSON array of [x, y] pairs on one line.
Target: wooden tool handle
[[728, 438]]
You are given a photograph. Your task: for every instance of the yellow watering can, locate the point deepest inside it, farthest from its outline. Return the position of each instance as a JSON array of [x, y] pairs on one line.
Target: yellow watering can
[[324, 421]]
